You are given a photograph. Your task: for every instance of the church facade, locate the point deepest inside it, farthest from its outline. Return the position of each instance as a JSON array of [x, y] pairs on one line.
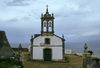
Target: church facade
[[47, 46]]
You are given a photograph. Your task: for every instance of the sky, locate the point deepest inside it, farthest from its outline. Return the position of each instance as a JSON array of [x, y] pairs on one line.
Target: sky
[[78, 20]]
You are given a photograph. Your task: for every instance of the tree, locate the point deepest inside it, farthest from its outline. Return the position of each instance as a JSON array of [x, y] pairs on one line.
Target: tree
[[20, 47]]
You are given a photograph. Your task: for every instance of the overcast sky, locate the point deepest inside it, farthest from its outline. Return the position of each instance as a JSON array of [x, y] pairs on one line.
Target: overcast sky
[[78, 20]]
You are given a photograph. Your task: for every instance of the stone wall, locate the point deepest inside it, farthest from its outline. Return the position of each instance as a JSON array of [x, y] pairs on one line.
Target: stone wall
[[91, 62]]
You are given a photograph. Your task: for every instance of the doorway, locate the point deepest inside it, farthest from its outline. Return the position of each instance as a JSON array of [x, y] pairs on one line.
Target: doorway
[[47, 54]]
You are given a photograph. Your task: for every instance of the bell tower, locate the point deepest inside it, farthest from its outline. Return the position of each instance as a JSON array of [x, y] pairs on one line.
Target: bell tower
[[47, 23]]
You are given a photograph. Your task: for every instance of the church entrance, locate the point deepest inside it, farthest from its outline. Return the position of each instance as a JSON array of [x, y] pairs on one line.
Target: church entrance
[[47, 54]]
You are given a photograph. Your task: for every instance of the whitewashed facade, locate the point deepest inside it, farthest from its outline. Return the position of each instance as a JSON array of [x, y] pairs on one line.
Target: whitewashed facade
[[47, 46], [68, 51], [55, 45]]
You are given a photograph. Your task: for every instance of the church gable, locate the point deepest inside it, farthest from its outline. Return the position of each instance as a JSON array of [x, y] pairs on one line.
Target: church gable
[[52, 40]]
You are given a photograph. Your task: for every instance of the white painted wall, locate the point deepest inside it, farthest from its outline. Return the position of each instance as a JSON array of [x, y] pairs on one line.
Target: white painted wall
[[37, 53], [57, 53], [68, 51], [53, 40]]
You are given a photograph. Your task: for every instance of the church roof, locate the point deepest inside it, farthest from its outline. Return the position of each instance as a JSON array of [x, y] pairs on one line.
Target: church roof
[[37, 35], [59, 37], [5, 49], [47, 15]]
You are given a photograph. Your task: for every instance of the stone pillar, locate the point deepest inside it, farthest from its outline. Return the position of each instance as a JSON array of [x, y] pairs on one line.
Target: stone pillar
[[47, 26], [41, 26], [63, 42], [31, 45], [52, 26]]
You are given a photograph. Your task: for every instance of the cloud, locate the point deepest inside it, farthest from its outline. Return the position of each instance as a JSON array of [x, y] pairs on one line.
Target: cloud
[[91, 33], [17, 3], [78, 20]]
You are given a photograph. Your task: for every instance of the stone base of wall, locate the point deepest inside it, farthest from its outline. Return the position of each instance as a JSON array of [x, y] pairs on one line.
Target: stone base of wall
[[91, 62]]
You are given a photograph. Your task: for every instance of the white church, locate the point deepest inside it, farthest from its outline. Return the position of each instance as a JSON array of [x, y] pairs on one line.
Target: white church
[[47, 46]]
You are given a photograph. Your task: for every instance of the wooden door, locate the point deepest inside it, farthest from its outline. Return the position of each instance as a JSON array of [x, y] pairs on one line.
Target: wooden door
[[47, 55]]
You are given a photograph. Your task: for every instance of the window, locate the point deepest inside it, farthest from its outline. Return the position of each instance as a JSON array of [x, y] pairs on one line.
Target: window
[[47, 40]]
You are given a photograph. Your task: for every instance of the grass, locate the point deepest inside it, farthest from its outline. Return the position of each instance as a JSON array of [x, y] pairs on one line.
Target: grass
[[8, 63], [72, 61]]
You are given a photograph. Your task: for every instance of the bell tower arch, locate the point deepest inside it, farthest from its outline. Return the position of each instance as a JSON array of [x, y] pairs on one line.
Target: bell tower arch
[[47, 23]]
